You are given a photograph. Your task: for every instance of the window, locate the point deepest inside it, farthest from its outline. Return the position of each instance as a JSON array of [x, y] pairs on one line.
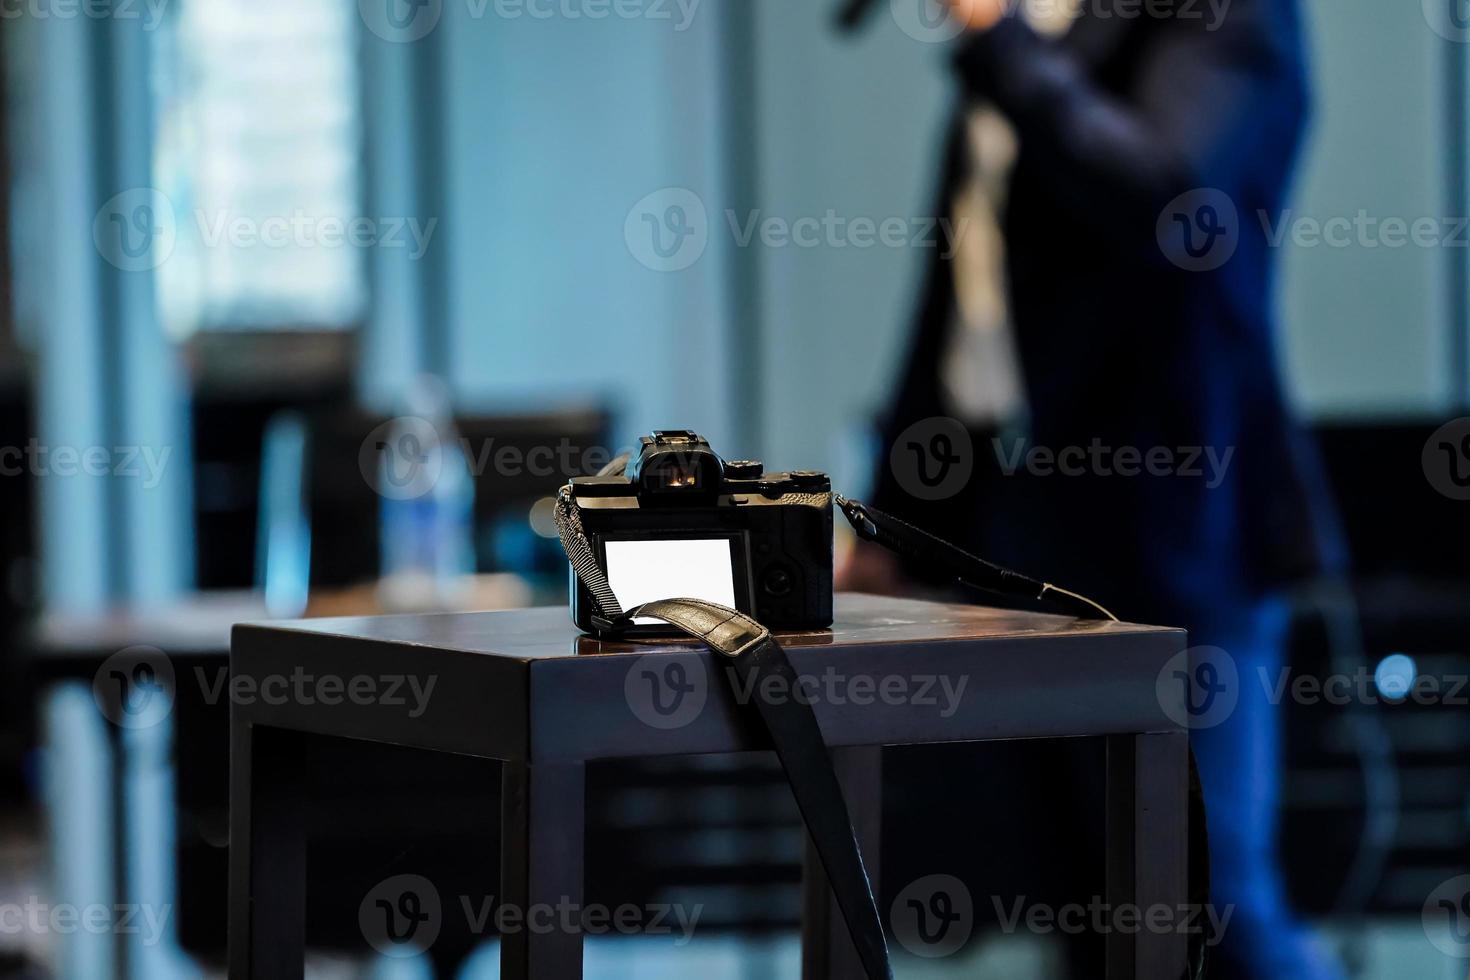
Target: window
[[259, 153]]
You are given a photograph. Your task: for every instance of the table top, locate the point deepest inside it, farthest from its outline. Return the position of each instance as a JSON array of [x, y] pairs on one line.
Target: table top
[[198, 623], [526, 685], [547, 633]]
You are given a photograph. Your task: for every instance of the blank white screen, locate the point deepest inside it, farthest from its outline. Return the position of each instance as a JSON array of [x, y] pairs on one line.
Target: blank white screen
[[687, 568]]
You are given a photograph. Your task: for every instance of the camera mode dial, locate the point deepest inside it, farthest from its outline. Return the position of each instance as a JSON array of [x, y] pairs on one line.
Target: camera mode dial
[[744, 469]]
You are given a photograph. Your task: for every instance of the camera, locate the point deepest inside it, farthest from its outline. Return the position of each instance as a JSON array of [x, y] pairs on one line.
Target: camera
[[680, 522]]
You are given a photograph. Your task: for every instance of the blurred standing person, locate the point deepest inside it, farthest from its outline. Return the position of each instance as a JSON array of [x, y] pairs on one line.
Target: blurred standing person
[[1103, 339]]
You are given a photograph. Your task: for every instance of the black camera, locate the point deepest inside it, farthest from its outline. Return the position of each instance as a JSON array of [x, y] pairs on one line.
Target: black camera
[[680, 522]]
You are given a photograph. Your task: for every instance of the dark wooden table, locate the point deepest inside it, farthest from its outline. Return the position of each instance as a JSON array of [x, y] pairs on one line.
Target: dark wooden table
[[525, 688]]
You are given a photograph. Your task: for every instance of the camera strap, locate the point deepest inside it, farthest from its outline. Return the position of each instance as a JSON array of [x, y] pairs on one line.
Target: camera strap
[[754, 656], [608, 613]]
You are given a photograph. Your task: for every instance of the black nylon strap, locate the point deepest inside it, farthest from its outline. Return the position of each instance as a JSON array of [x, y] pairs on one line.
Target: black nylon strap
[[579, 552], [754, 655]]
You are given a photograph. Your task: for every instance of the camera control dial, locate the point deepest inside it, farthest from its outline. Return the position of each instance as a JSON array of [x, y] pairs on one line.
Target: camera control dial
[[744, 469]]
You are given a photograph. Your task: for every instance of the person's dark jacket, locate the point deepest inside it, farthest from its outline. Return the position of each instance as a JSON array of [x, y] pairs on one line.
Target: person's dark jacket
[[1120, 346]]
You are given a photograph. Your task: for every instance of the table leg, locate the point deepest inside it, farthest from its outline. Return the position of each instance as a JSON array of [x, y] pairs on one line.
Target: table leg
[[542, 838], [827, 950], [267, 853], [1147, 851]]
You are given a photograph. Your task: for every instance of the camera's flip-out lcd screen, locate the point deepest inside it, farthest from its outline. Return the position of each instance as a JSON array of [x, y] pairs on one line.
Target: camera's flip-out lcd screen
[[683, 568]]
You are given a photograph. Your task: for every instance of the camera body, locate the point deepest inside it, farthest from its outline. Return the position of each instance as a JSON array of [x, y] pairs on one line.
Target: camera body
[[682, 521]]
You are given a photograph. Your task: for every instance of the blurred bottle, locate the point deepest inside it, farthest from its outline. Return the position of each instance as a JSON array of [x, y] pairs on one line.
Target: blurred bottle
[[427, 502], [283, 537]]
